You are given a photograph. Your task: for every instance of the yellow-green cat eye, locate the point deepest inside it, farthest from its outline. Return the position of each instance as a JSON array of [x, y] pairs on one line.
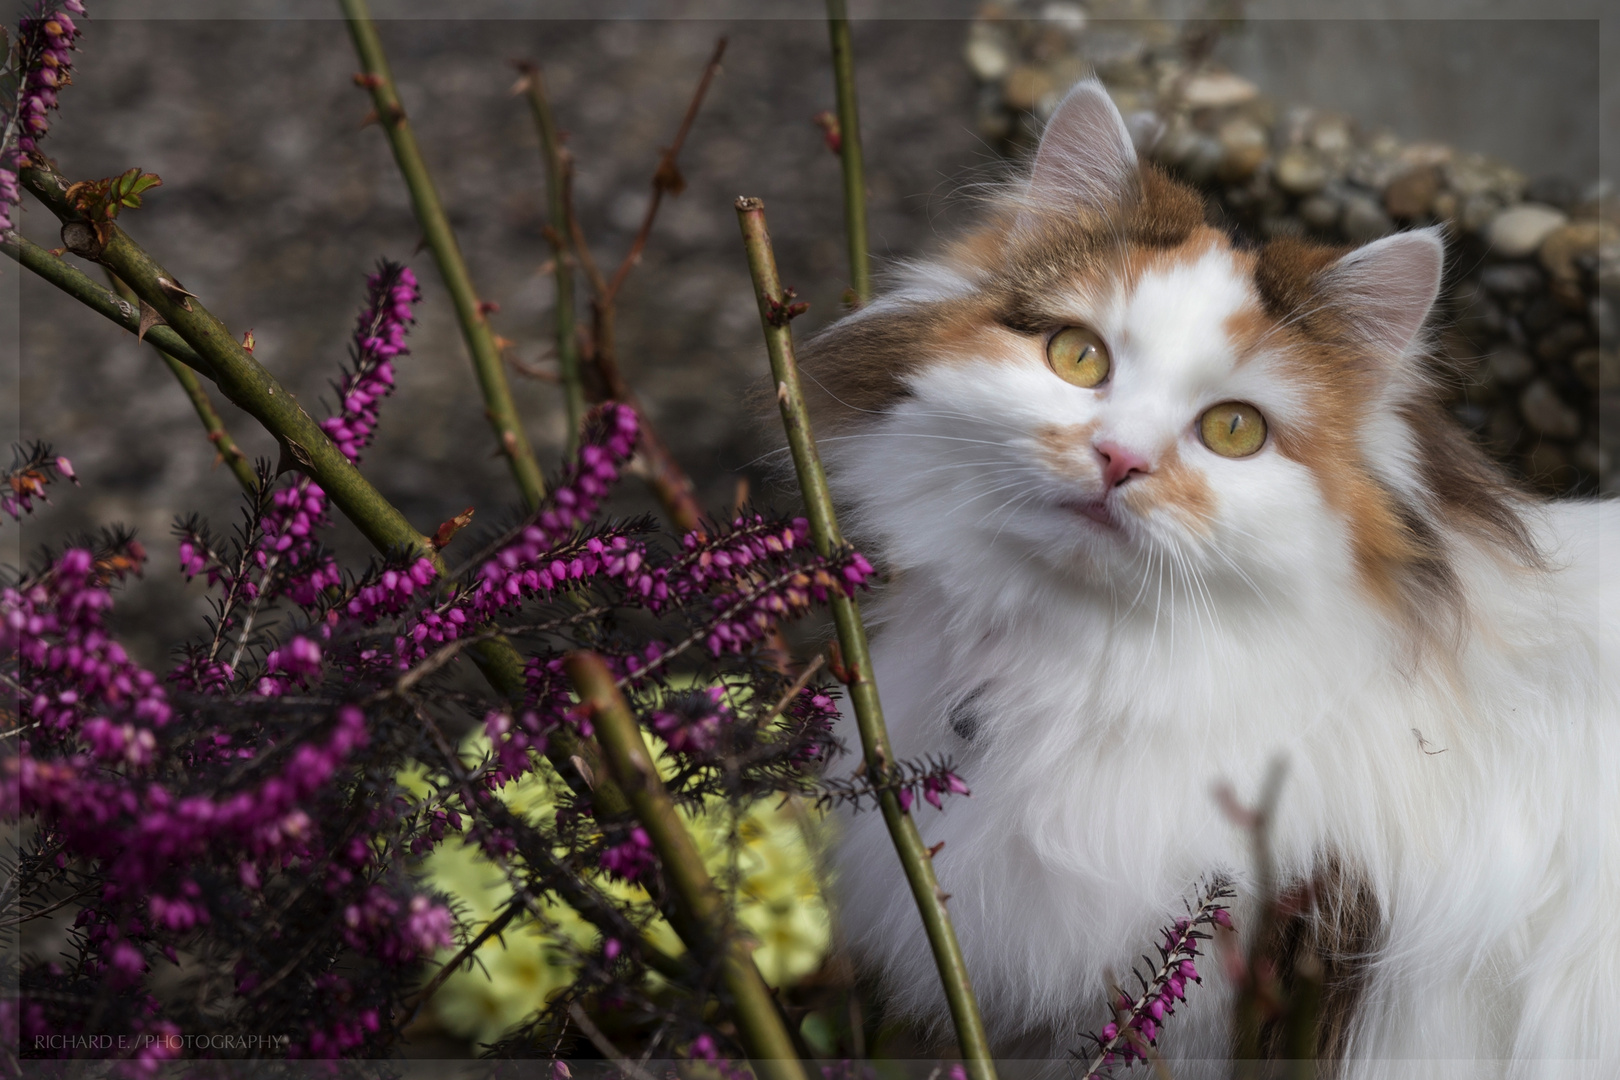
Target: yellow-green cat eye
[[1233, 429], [1078, 356]]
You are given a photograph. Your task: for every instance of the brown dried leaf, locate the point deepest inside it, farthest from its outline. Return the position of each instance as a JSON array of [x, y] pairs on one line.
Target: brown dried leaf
[[447, 531]]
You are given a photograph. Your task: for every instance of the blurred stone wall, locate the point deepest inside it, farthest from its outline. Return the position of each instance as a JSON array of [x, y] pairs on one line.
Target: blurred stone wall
[[276, 202]]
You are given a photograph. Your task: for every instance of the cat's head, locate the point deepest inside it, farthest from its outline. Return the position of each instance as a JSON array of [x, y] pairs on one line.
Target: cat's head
[[1099, 387]]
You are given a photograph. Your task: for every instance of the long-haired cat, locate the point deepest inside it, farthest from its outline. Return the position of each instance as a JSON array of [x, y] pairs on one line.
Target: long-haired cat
[[1161, 507]]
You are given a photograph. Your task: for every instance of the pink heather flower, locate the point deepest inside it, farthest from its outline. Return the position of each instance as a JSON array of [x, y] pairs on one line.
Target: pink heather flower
[[428, 926], [631, 859], [692, 722], [45, 42], [127, 962], [379, 337], [1145, 1016], [32, 470], [299, 658]]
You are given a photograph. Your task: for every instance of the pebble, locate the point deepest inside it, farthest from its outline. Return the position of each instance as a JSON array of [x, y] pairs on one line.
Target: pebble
[[1300, 171], [1202, 159], [989, 51], [1562, 245], [1477, 211], [1468, 175], [1365, 220], [1332, 135], [1445, 206], [1511, 366], [1511, 279], [1068, 17], [1411, 194], [1424, 154], [1604, 323], [1546, 413], [1588, 367], [1519, 231], [1243, 148], [1561, 340], [1320, 212], [1217, 90]]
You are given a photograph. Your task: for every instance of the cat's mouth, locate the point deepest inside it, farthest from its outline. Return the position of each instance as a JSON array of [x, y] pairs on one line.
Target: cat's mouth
[[1099, 510]]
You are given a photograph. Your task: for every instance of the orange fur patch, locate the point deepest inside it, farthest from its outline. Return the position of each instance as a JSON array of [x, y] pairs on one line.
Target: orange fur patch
[[1178, 488], [1064, 446]]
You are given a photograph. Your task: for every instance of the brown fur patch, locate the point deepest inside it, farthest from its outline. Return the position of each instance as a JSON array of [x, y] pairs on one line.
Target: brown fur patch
[[1321, 944]]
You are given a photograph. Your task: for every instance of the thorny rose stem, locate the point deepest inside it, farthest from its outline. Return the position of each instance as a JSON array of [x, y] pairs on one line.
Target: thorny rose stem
[[863, 694], [702, 921], [218, 434], [849, 151], [470, 312]]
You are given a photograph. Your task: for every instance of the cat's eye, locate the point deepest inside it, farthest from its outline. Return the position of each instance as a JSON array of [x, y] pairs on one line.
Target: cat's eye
[[1233, 429], [1078, 356]]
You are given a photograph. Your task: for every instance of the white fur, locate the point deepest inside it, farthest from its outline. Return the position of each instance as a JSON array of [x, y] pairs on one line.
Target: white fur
[[1128, 673]]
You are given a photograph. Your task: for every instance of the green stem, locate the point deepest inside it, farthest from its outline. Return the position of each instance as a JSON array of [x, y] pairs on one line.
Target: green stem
[[100, 299], [704, 922], [226, 446], [863, 694], [849, 152], [559, 174], [486, 357]]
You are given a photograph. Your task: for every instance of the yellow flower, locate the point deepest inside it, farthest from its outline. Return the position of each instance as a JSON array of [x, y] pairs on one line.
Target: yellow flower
[[778, 897]]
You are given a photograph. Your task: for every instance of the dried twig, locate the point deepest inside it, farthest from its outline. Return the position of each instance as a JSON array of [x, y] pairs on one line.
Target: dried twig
[[667, 177]]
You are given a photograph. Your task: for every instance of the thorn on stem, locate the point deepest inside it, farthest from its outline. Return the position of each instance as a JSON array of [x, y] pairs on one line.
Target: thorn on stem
[[149, 319], [936, 849], [177, 289], [367, 80]]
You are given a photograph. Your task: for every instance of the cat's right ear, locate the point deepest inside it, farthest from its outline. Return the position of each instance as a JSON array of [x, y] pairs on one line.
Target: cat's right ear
[[1086, 159]]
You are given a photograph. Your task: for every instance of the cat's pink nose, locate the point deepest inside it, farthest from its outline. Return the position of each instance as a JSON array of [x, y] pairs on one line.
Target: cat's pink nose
[[1120, 464]]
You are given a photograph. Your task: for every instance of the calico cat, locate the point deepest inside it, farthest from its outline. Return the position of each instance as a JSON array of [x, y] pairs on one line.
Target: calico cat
[[1161, 506]]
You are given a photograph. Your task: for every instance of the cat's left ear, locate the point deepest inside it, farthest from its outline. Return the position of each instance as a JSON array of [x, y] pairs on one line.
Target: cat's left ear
[[1386, 288], [1086, 158]]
